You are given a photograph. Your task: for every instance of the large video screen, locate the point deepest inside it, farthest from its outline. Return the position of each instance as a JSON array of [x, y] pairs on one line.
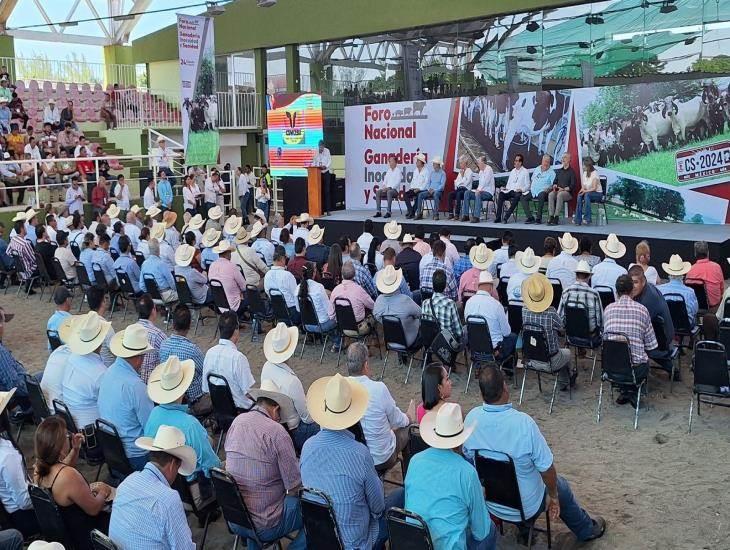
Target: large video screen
[[295, 128]]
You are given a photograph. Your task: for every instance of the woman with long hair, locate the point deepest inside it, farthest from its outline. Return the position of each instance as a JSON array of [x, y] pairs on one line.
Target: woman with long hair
[[374, 258], [309, 288], [590, 190], [333, 266], [585, 252], [435, 389]]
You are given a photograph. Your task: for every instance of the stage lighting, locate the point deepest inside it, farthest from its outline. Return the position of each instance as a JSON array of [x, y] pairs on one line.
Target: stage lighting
[[265, 3], [531, 49], [215, 9], [667, 7], [594, 19], [532, 26]]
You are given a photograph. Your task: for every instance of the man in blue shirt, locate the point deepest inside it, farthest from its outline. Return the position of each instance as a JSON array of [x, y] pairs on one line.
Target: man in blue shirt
[[103, 258], [451, 503], [158, 269], [434, 189], [164, 190], [542, 183], [62, 299], [676, 269], [500, 430], [127, 264]]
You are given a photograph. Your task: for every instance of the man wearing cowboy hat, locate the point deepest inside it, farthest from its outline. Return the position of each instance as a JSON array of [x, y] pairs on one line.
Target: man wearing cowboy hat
[[231, 227], [607, 271], [527, 264], [225, 271], [131, 229], [147, 511], [261, 458], [676, 269], [317, 251], [419, 182], [483, 304], [408, 259], [210, 240], [254, 268], [360, 300], [499, 431], [51, 114], [123, 399], [392, 231], [335, 463], [484, 191], [193, 226], [392, 302], [160, 271], [580, 293], [260, 244], [302, 226], [212, 189], [451, 503], [389, 260], [172, 235], [480, 258], [562, 267], [197, 280]]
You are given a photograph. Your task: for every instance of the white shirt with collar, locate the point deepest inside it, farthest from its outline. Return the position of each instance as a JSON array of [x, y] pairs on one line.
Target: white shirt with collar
[[289, 384], [519, 180], [464, 180], [212, 190], [132, 231], [167, 254], [606, 273], [225, 360], [122, 194], [320, 300], [14, 485], [148, 199], [514, 286], [392, 178], [265, 248], [420, 179], [323, 160], [451, 252], [484, 305], [81, 381], [486, 180], [280, 279], [53, 374], [562, 267]]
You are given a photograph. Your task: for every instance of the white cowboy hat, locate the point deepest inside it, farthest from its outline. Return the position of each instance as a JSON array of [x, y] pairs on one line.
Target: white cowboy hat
[[481, 257], [210, 237], [169, 381], [68, 220], [160, 139], [583, 267], [51, 100], [169, 218], [154, 211], [408, 239], [157, 231], [612, 247], [280, 343], [537, 292], [270, 389], [303, 217], [130, 342], [232, 225], [43, 545], [222, 247], [30, 214], [196, 222], [568, 243], [136, 208], [66, 327], [5, 397], [437, 160], [676, 266], [392, 229], [86, 333], [527, 261], [215, 213], [336, 402], [242, 237], [113, 211], [316, 234], [421, 157], [184, 254], [256, 228], [485, 277], [444, 429], [259, 214], [4, 100], [389, 279], [171, 440]]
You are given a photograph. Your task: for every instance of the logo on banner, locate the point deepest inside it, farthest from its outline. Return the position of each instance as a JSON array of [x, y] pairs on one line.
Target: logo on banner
[[293, 135], [703, 162]]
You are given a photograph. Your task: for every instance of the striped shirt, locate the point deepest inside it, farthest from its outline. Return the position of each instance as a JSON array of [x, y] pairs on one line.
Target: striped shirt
[[364, 279], [184, 349], [25, 250], [549, 321], [427, 277], [580, 293], [155, 337], [628, 317]]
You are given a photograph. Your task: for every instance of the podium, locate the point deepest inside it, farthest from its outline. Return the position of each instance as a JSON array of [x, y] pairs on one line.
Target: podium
[[314, 191]]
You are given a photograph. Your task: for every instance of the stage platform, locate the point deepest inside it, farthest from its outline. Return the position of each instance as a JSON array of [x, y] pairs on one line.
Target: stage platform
[[665, 238]]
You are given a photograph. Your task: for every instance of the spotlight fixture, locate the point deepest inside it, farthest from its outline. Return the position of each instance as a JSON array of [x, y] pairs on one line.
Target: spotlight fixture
[[594, 19], [532, 26], [690, 41], [668, 7], [584, 45], [214, 9], [531, 49]]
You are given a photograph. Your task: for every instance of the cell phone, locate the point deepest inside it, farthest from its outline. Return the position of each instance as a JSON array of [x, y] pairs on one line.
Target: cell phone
[[89, 435]]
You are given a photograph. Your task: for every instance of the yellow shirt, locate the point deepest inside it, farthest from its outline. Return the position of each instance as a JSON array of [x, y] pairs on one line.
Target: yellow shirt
[[16, 143]]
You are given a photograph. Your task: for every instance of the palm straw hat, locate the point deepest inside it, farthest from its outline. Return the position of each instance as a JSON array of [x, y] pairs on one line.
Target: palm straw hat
[[612, 247], [232, 225], [271, 390], [222, 247], [676, 266], [280, 343], [568, 243], [210, 237], [392, 229], [242, 237], [215, 213], [481, 257], [408, 239], [485, 277], [86, 333], [169, 218], [169, 381], [583, 267], [336, 402], [5, 397], [421, 157], [537, 292], [113, 211], [157, 231], [154, 211], [43, 545], [196, 222], [316, 234], [184, 254], [136, 208], [130, 342], [444, 429], [303, 217], [171, 440], [527, 262], [437, 160], [389, 279], [256, 228]]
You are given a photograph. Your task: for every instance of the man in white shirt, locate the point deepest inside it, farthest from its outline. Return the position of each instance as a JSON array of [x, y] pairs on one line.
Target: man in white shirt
[[148, 199], [389, 186], [366, 238], [419, 182], [53, 374], [451, 252], [83, 144], [322, 159], [225, 360], [527, 264], [606, 272], [121, 192], [212, 190], [163, 158], [517, 189], [31, 148], [281, 280], [462, 184], [483, 192], [131, 230], [384, 425], [51, 114], [483, 304], [563, 266], [75, 197]]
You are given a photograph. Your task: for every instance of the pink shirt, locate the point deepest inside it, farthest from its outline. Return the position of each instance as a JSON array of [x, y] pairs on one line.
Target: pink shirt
[[422, 247], [469, 282], [709, 273], [360, 299], [230, 277]]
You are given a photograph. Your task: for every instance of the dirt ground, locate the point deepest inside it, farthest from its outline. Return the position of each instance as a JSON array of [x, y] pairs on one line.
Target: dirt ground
[[658, 487]]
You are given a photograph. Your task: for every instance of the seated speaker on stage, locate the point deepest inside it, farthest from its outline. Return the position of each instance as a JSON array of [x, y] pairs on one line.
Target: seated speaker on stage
[[418, 184], [484, 191], [562, 190], [542, 182], [517, 190], [434, 189], [462, 184], [389, 188]]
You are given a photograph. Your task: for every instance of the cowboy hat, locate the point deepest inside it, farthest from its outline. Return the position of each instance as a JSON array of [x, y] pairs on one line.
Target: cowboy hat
[[43, 545], [210, 237], [184, 254], [171, 440], [527, 261], [86, 333], [280, 343], [336, 402], [392, 229], [169, 381], [136, 208], [196, 222], [256, 228], [157, 231], [485, 277], [303, 217], [5, 397], [113, 211], [19, 217], [271, 390], [259, 214], [160, 139], [154, 211], [537, 292], [583, 267], [612, 247], [65, 328], [676, 266], [169, 218], [232, 225], [481, 257], [568, 243], [408, 239], [68, 220], [52, 100], [389, 280], [242, 237], [421, 157], [215, 213], [222, 247], [437, 160], [130, 342], [316, 234], [444, 429], [4, 100]]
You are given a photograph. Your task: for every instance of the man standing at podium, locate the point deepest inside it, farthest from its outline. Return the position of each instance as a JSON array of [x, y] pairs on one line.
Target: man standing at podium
[[323, 160]]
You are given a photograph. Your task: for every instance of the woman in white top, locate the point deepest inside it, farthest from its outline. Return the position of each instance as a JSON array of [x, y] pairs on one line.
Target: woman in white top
[[122, 193], [191, 192], [643, 256], [590, 191], [64, 255], [242, 190], [263, 196], [314, 290], [14, 490], [462, 184]]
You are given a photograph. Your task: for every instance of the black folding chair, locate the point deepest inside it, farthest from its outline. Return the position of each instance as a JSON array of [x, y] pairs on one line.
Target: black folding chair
[[52, 526], [349, 327], [20, 266], [279, 307], [415, 446], [578, 334], [38, 404], [428, 330], [45, 277], [153, 290], [224, 407], [75, 249], [671, 352], [8, 272], [407, 531], [480, 346], [328, 281], [394, 337], [426, 293], [101, 283], [99, 541], [683, 328], [62, 410], [711, 374], [320, 523], [258, 308], [557, 291], [127, 291], [107, 437], [502, 291], [202, 506], [139, 258], [114, 253], [606, 294], [185, 297], [53, 339], [310, 319], [724, 334], [536, 357], [514, 316], [61, 277], [701, 292], [82, 276], [501, 488]]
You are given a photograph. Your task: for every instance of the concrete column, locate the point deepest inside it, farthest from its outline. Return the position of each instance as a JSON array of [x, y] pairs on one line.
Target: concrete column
[[293, 80], [119, 55]]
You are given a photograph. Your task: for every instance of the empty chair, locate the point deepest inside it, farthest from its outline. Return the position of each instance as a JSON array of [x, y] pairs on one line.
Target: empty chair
[[112, 448], [711, 375], [202, 506], [480, 347], [53, 339], [701, 292], [258, 308], [350, 328], [312, 326], [578, 334]]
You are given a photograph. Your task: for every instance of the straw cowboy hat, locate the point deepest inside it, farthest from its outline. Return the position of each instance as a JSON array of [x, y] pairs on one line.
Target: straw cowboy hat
[[169, 381], [154, 211], [568, 243], [583, 267], [196, 222], [612, 247], [85, 334], [169, 218], [136, 208], [184, 254], [527, 261], [30, 214], [437, 160], [485, 277], [271, 390], [444, 429], [51, 101], [280, 343], [316, 234], [303, 217], [256, 228], [336, 402], [408, 239], [232, 225], [537, 292], [5, 397], [68, 220], [171, 440], [64, 329], [113, 211], [157, 231], [392, 230], [389, 280], [222, 247], [215, 213], [210, 237], [481, 257], [676, 266], [421, 157], [4, 100], [242, 237], [130, 342], [19, 217]]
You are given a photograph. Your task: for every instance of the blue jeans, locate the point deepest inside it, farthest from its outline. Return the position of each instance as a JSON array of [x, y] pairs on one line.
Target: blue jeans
[[487, 543], [328, 326], [11, 539], [478, 197], [436, 195], [507, 345], [395, 499], [574, 517], [265, 207], [291, 520], [585, 199], [302, 433]]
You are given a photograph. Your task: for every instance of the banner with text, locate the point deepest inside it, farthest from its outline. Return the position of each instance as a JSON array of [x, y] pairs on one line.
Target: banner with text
[[199, 102]]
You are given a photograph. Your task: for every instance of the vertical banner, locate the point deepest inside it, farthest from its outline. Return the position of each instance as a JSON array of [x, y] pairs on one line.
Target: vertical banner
[[197, 89]]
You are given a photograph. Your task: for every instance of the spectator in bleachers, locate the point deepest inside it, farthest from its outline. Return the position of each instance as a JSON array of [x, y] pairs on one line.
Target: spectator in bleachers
[[86, 168], [5, 90], [15, 141], [103, 164], [67, 115], [52, 115], [27, 174], [67, 140], [31, 148], [82, 145], [66, 167], [18, 109], [5, 115], [75, 197], [106, 113], [47, 141], [51, 178], [9, 177], [122, 193]]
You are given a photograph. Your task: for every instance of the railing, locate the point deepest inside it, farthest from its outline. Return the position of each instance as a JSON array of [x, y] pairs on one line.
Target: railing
[[73, 71], [235, 81]]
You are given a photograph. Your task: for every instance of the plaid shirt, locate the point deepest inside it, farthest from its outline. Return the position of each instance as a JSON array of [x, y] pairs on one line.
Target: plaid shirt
[[550, 321], [427, 277], [25, 250], [364, 279], [581, 293], [155, 337], [445, 312], [632, 319], [462, 266], [185, 350]]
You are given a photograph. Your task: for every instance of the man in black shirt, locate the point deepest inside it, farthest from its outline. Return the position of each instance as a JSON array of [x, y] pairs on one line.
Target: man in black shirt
[[408, 260], [562, 190]]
